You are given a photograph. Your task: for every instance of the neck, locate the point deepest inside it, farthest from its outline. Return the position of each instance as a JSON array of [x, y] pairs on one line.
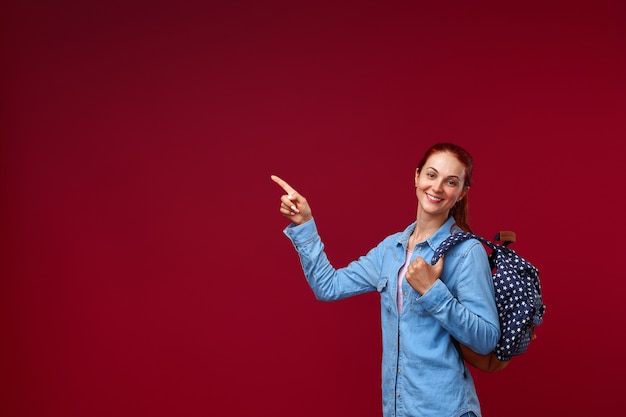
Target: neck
[[425, 227]]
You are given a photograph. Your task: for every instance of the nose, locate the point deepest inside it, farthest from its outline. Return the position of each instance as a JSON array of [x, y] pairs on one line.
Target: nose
[[437, 185]]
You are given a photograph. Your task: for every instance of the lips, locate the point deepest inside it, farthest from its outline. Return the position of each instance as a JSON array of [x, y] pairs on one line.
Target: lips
[[433, 199]]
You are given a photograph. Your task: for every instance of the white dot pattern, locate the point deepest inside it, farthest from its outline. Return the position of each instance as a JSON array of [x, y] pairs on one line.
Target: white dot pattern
[[517, 290]]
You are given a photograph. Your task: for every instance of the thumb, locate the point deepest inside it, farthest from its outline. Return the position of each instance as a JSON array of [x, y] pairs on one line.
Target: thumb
[[438, 267]]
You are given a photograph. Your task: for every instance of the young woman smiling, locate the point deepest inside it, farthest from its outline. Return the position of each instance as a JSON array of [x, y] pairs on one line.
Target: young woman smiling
[[427, 310]]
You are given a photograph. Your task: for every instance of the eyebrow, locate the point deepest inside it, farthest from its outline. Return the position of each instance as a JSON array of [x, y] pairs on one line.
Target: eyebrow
[[449, 176]]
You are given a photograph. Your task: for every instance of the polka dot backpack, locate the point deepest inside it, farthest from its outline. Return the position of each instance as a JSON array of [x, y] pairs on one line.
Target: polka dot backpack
[[518, 299]]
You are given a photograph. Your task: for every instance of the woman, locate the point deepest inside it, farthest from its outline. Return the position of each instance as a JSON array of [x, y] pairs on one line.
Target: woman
[[426, 310]]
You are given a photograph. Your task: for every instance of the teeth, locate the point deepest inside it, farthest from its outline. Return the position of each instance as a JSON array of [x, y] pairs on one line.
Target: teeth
[[430, 197]]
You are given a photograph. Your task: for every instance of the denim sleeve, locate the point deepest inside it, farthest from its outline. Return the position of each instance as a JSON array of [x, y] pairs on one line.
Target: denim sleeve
[[469, 315], [329, 284]]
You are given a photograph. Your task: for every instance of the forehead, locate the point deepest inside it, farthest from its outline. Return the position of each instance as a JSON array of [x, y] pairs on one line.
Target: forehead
[[446, 164]]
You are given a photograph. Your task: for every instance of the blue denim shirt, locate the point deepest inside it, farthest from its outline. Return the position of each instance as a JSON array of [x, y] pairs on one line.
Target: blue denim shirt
[[423, 373]]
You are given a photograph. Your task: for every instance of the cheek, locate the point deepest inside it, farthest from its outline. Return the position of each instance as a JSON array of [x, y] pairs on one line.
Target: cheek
[[420, 189], [421, 184], [453, 194]]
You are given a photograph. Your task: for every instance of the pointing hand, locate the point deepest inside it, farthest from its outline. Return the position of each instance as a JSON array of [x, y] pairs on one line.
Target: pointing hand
[[293, 205]]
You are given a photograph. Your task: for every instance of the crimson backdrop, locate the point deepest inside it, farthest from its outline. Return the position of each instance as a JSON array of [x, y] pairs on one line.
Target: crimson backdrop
[[143, 266]]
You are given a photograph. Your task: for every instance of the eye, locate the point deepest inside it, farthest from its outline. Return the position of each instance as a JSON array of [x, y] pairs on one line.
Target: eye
[[452, 183], [430, 175]]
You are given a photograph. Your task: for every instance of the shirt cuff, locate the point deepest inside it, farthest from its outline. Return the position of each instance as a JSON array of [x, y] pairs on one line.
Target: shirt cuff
[[303, 233], [436, 296]]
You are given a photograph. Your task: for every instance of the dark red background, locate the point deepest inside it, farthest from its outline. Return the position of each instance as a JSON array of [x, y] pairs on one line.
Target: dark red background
[[143, 266]]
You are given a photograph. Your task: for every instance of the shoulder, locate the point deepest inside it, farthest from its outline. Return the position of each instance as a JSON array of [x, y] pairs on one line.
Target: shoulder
[[467, 247], [392, 240], [466, 260], [461, 248]]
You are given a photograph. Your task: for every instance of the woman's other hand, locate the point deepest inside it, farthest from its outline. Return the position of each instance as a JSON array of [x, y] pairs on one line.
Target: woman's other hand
[[293, 205]]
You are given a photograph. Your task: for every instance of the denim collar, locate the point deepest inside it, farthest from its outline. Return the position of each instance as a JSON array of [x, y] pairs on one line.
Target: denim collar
[[434, 240]]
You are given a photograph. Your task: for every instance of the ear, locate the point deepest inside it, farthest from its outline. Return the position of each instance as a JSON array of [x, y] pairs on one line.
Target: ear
[[463, 194], [417, 175]]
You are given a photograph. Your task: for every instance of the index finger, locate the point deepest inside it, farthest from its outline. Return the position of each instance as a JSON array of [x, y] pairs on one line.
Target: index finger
[[288, 189]]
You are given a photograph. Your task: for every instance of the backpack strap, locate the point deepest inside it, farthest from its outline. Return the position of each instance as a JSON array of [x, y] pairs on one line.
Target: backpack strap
[[458, 237], [453, 240]]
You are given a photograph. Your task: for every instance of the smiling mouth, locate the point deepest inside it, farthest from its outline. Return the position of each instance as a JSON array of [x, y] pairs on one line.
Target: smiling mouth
[[433, 199]]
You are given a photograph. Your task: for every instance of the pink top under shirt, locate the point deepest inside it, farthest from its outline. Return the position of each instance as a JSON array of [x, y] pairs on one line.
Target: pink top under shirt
[[401, 275]]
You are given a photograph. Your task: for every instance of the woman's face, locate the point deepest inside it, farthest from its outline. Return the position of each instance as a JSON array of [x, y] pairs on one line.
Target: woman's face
[[440, 183]]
